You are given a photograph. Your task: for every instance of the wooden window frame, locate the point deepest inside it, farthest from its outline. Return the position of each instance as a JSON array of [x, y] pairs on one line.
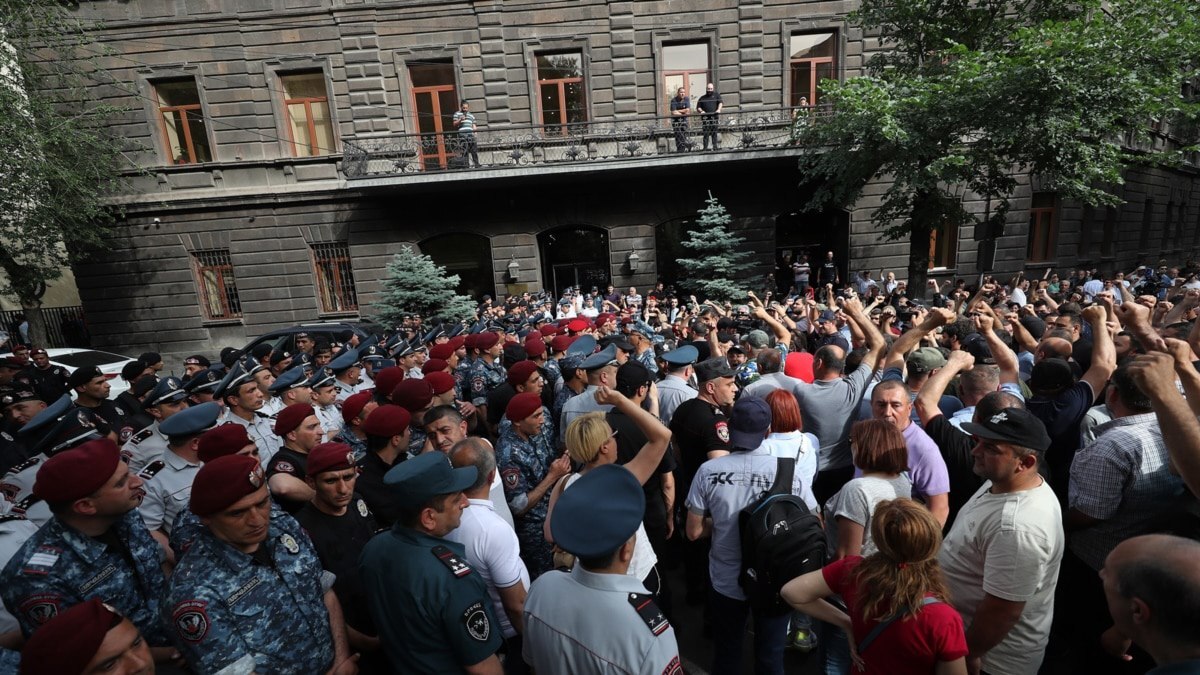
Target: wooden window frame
[[342, 298], [812, 63], [183, 110], [1039, 216], [708, 71], [307, 101], [219, 262], [562, 89], [935, 236]]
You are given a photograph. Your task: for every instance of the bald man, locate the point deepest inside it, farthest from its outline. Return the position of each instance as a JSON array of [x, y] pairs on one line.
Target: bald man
[[1152, 585]]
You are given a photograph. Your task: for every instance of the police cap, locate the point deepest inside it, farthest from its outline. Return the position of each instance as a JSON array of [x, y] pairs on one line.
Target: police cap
[[426, 476], [168, 390], [192, 421], [596, 520]]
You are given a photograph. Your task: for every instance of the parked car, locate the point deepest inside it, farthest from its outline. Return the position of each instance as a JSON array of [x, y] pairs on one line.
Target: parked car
[[285, 338], [110, 364]]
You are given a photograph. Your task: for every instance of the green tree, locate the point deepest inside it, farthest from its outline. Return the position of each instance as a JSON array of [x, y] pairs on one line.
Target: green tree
[[417, 285], [969, 95], [57, 163], [718, 260]]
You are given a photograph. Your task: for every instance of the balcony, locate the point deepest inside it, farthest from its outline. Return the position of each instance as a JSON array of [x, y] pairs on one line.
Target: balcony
[[579, 145]]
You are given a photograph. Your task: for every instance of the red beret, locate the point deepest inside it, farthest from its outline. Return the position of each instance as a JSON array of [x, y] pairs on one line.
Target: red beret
[[604, 318], [457, 342], [413, 395], [520, 372], [560, 343], [486, 340], [443, 351], [354, 405], [434, 366], [387, 379], [329, 457], [65, 644], [533, 335], [534, 346], [440, 382], [290, 417], [78, 472], [469, 340], [522, 406], [577, 325], [387, 420], [222, 482], [226, 439], [549, 330]]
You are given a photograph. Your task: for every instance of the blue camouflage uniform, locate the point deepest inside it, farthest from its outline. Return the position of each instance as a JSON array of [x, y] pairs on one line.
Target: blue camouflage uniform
[[523, 464], [357, 445], [462, 376], [225, 608], [647, 359], [59, 567], [748, 374], [552, 373], [483, 378]]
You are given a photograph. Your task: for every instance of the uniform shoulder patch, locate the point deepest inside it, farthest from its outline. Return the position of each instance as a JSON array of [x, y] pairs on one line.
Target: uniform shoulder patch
[[141, 435], [27, 464], [452, 561], [9, 517], [673, 668], [475, 621], [283, 466], [6, 436], [41, 607], [151, 470], [511, 477], [649, 612], [362, 509], [190, 619], [723, 431]]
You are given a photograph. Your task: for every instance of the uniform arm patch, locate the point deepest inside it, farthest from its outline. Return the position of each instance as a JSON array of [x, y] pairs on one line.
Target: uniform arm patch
[[190, 619], [475, 621]]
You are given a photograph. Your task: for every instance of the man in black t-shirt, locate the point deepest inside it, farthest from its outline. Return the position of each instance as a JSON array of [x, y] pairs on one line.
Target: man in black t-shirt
[[709, 106], [340, 524], [827, 273], [635, 381]]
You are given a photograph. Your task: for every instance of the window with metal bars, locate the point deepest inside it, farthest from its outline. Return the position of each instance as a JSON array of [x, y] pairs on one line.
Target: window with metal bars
[[216, 285], [335, 278]]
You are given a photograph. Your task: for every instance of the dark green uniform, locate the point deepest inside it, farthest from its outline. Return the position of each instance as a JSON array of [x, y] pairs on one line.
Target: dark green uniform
[[432, 609]]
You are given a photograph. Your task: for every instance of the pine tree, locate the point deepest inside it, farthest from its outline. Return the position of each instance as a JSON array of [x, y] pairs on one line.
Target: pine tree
[[718, 256], [417, 285]]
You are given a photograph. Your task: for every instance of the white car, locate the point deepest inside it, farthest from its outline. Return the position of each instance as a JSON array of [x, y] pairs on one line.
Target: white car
[[110, 364]]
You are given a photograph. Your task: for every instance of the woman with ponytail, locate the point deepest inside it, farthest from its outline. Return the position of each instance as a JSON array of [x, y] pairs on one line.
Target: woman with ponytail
[[898, 613]]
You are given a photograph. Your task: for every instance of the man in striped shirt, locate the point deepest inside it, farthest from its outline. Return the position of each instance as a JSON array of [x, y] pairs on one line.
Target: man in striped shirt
[[464, 121]]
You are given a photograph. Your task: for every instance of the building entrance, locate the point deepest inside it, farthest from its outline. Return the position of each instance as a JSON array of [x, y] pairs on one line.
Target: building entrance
[[574, 256]]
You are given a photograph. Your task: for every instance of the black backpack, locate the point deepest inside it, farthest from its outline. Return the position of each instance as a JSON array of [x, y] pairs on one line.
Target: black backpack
[[781, 539]]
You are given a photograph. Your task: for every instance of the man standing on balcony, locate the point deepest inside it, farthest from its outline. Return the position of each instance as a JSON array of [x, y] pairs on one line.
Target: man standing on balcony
[[709, 106], [464, 121], [681, 107]]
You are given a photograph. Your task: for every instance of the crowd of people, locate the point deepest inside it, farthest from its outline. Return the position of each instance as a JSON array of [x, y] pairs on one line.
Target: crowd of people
[[987, 478]]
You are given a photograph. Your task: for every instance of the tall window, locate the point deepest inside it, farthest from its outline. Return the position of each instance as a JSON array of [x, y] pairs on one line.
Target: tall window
[[435, 102], [218, 289], [182, 121], [1109, 243], [943, 246], [561, 89], [1043, 227], [811, 60], [306, 103], [685, 65], [335, 278]]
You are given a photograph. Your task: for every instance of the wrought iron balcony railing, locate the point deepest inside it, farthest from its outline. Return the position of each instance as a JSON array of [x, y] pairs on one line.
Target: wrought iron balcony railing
[[575, 142]]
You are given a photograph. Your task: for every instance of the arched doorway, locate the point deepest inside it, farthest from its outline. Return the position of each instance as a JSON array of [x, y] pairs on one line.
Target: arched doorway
[[467, 255], [574, 256]]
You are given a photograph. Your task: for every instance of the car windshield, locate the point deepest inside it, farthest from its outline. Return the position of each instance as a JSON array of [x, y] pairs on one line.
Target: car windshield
[[88, 359]]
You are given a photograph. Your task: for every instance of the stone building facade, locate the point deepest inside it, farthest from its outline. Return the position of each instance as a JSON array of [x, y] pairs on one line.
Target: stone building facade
[[288, 148]]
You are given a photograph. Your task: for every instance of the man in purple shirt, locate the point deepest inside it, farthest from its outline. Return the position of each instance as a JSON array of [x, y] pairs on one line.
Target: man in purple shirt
[[891, 401]]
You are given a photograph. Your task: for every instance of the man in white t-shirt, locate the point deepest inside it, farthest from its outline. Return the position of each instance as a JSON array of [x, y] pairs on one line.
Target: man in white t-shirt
[[1002, 555], [491, 544], [721, 489]]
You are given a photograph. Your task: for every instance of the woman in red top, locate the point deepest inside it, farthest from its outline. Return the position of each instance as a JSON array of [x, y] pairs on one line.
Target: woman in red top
[[893, 582]]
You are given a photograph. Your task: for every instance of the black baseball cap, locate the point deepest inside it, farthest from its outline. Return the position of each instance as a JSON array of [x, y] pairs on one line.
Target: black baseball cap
[[1011, 425], [711, 369]]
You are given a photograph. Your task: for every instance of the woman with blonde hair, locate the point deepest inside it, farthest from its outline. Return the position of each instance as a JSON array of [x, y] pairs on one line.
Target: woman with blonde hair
[[898, 613], [592, 443]]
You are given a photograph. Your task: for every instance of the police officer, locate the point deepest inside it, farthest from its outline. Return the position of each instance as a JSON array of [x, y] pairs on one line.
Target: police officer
[[95, 546], [597, 618], [574, 379], [91, 391], [291, 388], [601, 369], [675, 388], [166, 399], [18, 404], [243, 404], [431, 606], [486, 372], [194, 364], [347, 371], [168, 480], [250, 595], [91, 637], [201, 386], [387, 430], [415, 396], [355, 410], [529, 468], [644, 339], [324, 395], [50, 379], [300, 430], [340, 525]]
